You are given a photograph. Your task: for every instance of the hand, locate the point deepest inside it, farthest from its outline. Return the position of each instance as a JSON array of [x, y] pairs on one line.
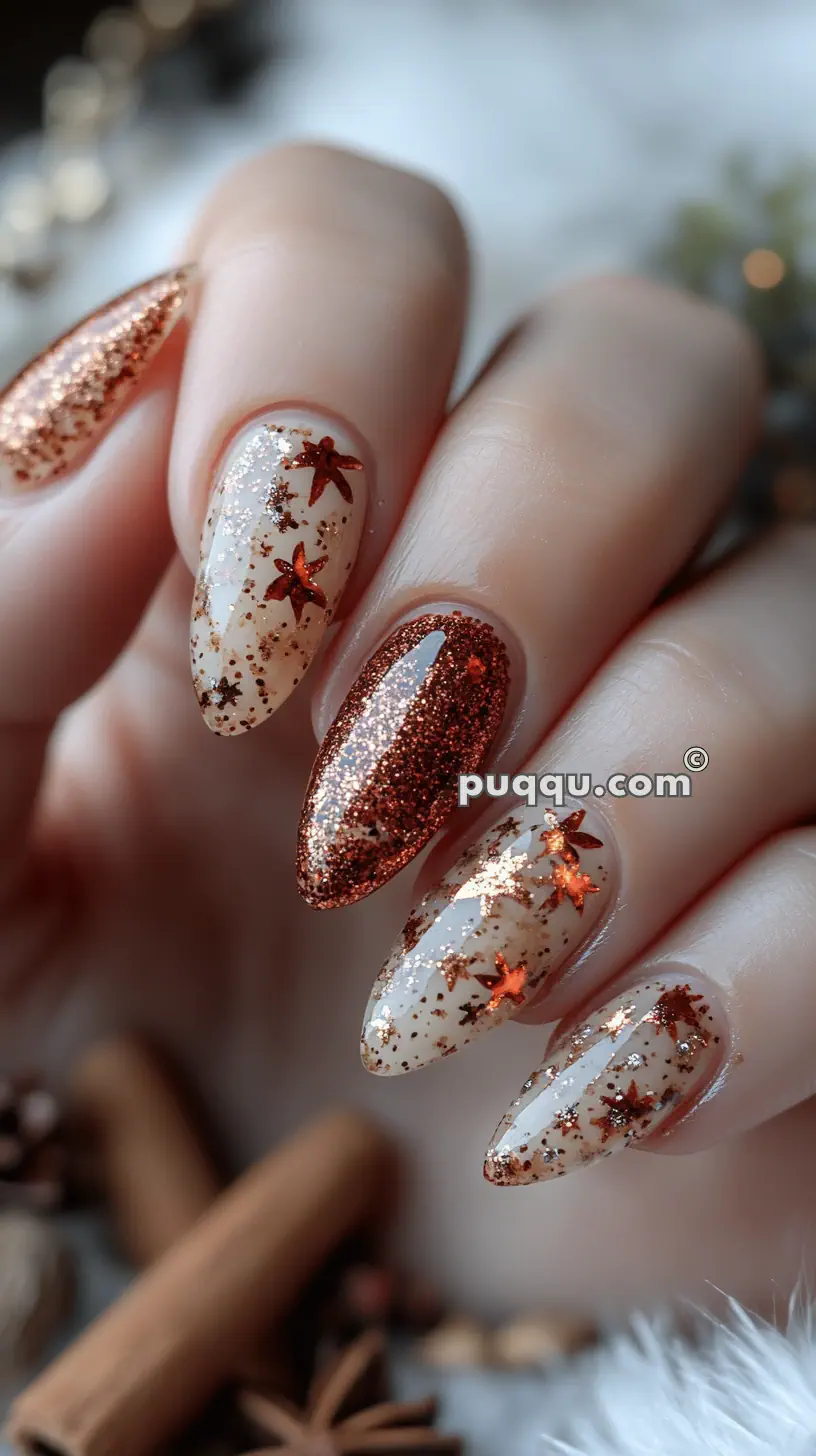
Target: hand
[[148, 876]]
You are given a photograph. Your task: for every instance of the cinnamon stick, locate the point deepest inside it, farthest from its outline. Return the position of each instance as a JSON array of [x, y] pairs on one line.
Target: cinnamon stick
[[143, 1369], [150, 1159]]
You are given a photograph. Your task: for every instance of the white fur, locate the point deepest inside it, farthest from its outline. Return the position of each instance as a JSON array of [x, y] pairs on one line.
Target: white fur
[[739, 1387]]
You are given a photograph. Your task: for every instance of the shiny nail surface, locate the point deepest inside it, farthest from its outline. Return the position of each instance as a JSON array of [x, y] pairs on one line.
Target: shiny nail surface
[[425, 709], [65, 399], [281, 537], [612, 1081], [508, 915]]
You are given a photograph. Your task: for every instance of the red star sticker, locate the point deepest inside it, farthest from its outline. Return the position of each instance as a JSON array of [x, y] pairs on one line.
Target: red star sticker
[[508, 985], [327, 464], [571, 883], [559, 838], [295, 581], [624, 1109]]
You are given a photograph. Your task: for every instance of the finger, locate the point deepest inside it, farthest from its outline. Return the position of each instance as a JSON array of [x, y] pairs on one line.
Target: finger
[[720, 1016], [552, 904], [317, 374], [565, 490], [84, 529]]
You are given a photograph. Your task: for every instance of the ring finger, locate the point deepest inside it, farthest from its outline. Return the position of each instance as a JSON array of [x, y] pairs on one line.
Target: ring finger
[[547, 906]]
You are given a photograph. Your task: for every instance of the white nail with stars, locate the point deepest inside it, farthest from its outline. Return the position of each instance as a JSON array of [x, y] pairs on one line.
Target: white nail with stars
[[280, 540], [485, 941]]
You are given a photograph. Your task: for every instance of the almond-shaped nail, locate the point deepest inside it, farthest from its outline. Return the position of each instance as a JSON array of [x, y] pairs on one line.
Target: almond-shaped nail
[[616, 1078], [424, 710], [64, 400], [504, 920], [281, 536]]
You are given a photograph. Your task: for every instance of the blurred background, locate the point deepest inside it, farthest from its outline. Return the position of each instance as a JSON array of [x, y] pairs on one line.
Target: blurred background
[[668, 135]]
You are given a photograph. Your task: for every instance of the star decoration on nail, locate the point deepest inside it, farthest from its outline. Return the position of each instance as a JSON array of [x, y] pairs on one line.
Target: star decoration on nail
[[624, 1109], [564, 837], [221, 694], [384, 1026], [677, 1006], [567, 1121], [454, 968], [618, 1021], [571, 884], [295, 581], [498, 879], [471, 1014], [508, 984], [328, 465], [277, 507]]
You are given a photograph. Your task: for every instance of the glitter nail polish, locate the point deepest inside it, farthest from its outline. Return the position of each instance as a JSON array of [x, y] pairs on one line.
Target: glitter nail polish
[[65, 399], [489, 938], [425, 709], [613, 1080], [281, 537]]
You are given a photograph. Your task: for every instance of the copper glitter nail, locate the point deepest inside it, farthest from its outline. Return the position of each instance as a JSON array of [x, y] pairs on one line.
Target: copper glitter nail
[[65, 399], [425, 709], [610, 1082]]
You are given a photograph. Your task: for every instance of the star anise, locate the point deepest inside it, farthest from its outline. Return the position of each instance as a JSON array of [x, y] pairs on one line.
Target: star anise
[[564, 837], [325, 1427], [327, 464], [295, 581]]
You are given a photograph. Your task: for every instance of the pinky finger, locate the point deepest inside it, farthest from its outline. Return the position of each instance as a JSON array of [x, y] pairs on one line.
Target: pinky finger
[[709, 1037]]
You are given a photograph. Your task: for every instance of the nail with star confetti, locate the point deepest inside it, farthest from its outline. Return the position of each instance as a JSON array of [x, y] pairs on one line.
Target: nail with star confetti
[[497, 930], [62, 403], [613, 1080], [426, 708], [280, 540]]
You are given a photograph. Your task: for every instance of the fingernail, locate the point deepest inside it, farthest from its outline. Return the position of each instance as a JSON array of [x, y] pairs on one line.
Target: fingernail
[[65, 399], [608, 1084], [484, 942], [425, 709], [281, 536]]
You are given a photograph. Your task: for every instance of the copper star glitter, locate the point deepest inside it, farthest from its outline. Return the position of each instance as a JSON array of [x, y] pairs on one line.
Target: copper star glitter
[[278, 508], [508, 984], [454, 968], [65, 399], [493, 902], [676, 1006], [624, 1108], [563, 838], [503, 878], [221, 694], [328, 465], [613, 1081], [268, 606], [573, 884], [295, 582], [385, 779]]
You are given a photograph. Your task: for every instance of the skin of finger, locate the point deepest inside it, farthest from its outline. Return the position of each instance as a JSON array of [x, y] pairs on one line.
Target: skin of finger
[[335, 283], [753, 939], [570, 483], [78, 564], [731, 667]]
